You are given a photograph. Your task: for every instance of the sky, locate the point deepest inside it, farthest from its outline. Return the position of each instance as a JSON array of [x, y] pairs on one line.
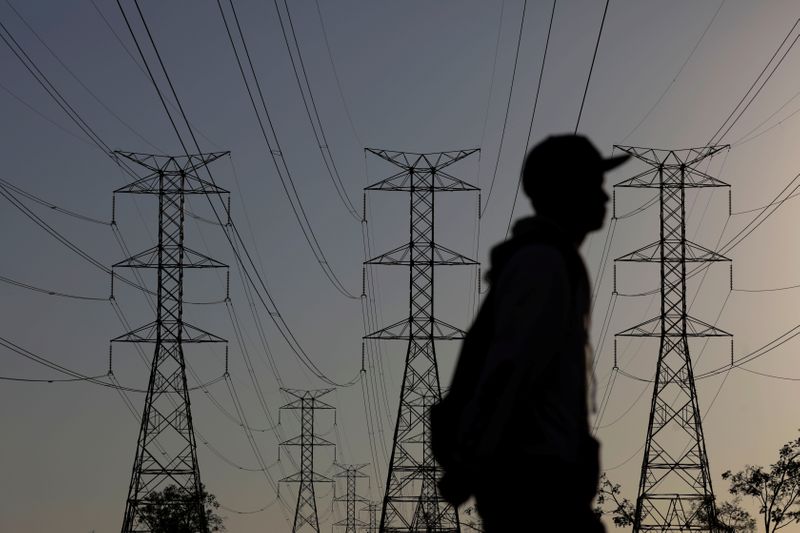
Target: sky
[[414, 76]]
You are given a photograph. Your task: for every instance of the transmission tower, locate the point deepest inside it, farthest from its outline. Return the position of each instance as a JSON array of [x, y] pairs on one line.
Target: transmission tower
[[166, 451], [306, 401], [372, 509], [675, 491], [351, 473], [411, 501]]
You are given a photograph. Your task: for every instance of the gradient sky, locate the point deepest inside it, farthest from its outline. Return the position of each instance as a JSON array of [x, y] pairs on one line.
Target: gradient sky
[[417, 76]]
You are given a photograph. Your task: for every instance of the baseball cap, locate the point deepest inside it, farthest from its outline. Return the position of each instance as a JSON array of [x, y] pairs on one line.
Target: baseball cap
[[567, 152]]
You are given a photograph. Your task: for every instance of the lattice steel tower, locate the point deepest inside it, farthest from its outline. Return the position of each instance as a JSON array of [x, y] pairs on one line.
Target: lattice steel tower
[[411, 501], [166, 451], [306, 401], [372, 510], [675, 483], [351, 474]]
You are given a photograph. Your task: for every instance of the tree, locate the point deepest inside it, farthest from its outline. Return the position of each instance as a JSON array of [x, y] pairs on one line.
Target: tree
[[173, 510], [731, 518], [608, 492], [776, 489]]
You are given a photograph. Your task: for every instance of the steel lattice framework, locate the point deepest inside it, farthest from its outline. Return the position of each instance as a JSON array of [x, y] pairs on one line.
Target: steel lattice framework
[[306, 401], [675, 484], [411, 501], [166, 451], [372, 509], [351, 474]]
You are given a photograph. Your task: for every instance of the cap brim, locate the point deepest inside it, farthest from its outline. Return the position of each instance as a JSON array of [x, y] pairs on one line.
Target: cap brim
[[614, 162]]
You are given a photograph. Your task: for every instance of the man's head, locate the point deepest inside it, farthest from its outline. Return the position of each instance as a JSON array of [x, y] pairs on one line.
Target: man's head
[[563, 177]]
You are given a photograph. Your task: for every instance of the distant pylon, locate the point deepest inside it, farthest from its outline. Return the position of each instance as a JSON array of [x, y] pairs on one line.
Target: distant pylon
[[675, 491], [411, 501], [351, 473], [166, 451], [307, 401], [372, 509]]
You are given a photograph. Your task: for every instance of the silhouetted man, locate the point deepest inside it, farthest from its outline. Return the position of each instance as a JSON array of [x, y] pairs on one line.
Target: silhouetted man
[[524, 448]]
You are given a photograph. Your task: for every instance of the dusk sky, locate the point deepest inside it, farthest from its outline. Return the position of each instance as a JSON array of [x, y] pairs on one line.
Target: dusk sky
[[402, 75]]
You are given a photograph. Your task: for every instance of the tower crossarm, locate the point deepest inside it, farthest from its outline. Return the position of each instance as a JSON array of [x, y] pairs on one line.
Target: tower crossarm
[[685, 251], [402, 256], [157, 163], [652, 328], [413, 160], [150, 259], [188, 333], [656, 157], [402, 331]]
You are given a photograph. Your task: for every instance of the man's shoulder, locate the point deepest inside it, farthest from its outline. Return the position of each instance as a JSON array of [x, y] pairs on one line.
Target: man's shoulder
[[534, 264], [541, 257]]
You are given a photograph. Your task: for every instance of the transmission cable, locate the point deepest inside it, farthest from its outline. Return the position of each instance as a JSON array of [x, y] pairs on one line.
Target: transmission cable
[[677, 74], [319, 131], [591, 67], [729, 122], [276, 153], [533, 113], [508, 108]]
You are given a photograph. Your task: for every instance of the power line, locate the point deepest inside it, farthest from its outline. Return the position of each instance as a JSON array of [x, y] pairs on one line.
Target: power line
[[677, 74], [77, 79], [45, 117], [336, 74], [51, 292], [591, 67], [316, 122], [533, 113], [508, 108], [75, 375], [276, 154], [729, 122]]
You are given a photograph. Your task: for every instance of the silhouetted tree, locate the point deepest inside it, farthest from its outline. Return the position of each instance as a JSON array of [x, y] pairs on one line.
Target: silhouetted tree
[[162, 514], [731, 518], [610, 493], [776, 489]]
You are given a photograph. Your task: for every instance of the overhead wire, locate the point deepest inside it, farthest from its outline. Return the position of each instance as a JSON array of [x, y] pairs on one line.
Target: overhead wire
[[41, 115], [11, 197], [508, 108], [475, 281], [677, 74], [75, 375], [316, 122], [336, 73], [741, 107], [533, 112], [139, 65], [51, 292], [591, 67], [77, 79], [276, 154], [371, 351]]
